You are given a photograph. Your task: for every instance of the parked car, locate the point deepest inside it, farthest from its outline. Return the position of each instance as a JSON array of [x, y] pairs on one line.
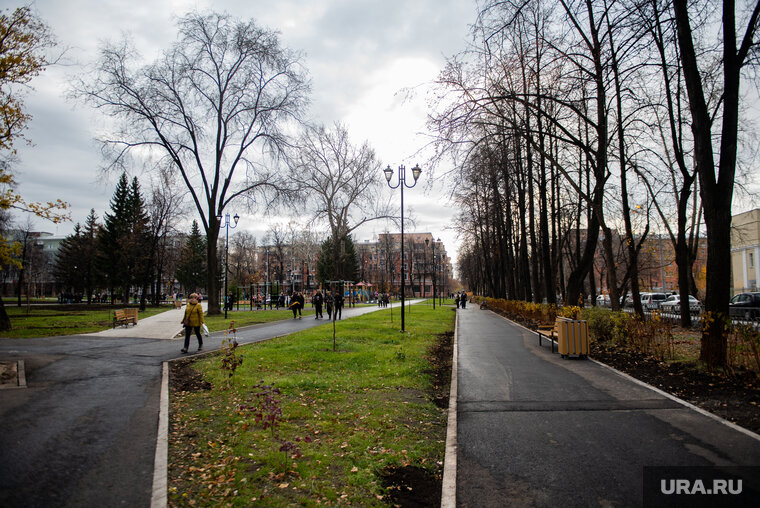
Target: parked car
[[603, 301], [652, 301], [673, 304], [745, 306]]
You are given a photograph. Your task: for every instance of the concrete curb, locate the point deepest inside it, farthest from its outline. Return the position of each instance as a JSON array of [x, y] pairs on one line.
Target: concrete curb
[[689, 405], [449, 488], [161, 460], [20, 381], [670, 396]]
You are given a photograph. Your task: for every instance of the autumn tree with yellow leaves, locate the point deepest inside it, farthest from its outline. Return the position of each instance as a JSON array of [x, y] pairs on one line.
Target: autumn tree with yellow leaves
[[24, 44]]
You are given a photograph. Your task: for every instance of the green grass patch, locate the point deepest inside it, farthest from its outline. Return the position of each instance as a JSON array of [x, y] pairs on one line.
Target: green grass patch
[[342, 417], [53, 321], [250, 317]]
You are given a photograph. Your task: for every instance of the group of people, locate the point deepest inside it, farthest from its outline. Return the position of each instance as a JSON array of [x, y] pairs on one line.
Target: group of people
[[333, 305], [461, 299], [383, 299]]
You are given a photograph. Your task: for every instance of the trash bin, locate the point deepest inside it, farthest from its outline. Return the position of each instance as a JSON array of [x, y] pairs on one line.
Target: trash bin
[[572, 337]]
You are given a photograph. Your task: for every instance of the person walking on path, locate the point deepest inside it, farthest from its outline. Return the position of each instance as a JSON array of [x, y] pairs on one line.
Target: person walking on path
[[192, 321], [456, 299], [463, 299], [329, 304], [296, 304], [317, 301], [338, 306]]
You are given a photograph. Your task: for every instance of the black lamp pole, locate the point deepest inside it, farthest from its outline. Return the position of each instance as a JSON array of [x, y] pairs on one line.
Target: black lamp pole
[[433, 263], [402, 183], [227, 226]]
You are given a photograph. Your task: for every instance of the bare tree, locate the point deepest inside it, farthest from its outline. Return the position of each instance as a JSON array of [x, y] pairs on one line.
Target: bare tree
[[717, 180], [209, 104], [165, 208], [277, 238], [341, 179], [243, 257]]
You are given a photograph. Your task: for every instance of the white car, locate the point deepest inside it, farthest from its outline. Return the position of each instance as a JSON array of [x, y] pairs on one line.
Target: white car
[[652, 301], [673, 304], [603, 301]]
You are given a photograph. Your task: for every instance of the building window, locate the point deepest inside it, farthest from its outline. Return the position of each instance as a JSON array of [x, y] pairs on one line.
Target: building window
[[751, 259]]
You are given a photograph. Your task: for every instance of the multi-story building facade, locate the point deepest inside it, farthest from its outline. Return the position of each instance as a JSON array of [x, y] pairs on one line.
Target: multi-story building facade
[[425, 264], [284, 269], [745, 251], [656, 262]]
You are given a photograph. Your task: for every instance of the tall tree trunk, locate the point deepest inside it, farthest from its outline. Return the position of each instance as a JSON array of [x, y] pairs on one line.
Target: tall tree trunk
[[5, 320], [717, 193]]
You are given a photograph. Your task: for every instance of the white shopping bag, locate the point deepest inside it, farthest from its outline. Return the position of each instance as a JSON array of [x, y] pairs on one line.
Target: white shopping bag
[[205, 329]]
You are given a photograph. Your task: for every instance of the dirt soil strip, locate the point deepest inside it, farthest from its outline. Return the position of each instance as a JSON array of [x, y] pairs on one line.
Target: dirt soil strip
[[449, 490], [161, 461]]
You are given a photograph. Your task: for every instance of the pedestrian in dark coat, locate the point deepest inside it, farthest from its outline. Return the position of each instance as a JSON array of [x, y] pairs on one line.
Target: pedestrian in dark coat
[[317, 300], [329, 304], [338, 306], [296, 304], [463, 299]]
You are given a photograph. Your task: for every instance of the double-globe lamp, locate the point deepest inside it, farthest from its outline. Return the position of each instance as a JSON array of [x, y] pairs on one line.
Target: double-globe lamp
[[402, 183], [227, 226]]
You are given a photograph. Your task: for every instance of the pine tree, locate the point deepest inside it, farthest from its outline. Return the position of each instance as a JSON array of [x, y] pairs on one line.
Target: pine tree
[[339, 263], [66, 268], [76, 262], [112, 258], [123, 244], [90, 274], [191, 269], [139, 255]]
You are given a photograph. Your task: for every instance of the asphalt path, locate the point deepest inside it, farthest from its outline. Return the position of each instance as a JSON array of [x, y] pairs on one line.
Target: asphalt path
[[83, 431], [537, 430]]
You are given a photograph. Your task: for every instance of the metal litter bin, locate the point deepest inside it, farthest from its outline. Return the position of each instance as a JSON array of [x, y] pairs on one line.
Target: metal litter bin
[[572, 337]]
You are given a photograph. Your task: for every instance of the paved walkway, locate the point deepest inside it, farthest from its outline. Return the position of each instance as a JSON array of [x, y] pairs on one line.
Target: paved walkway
[[165, 325], [84, 431], [538, 430]]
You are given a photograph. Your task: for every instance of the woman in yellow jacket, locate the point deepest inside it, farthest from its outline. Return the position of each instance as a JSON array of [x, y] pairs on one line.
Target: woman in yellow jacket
[[192, 321]]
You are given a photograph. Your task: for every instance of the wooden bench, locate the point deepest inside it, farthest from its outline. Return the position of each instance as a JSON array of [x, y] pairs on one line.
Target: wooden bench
[[124, 317], [572, 340], [549, 331]]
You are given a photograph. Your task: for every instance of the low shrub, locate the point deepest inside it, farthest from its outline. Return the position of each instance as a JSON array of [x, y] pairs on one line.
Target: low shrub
[[600, 323]]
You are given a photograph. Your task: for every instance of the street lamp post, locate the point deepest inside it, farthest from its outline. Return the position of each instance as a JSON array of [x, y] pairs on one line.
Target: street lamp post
[[227, 226], [402, 183], [434, 268]]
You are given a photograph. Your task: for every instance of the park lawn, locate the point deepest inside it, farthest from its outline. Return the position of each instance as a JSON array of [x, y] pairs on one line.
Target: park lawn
[[53, 321], [343, 417], [240, 318]]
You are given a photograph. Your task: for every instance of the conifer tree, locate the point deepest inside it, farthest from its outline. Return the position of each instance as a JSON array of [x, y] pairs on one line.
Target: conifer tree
[[122, 245], [191, 269], [76, 262], [340, 263], [111, 255]]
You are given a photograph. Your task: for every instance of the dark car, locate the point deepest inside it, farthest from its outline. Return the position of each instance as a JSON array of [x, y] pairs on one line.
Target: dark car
[[745, 306]]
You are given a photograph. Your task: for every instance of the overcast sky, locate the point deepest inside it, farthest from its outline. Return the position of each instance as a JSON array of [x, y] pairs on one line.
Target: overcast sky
[[360, 54]]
